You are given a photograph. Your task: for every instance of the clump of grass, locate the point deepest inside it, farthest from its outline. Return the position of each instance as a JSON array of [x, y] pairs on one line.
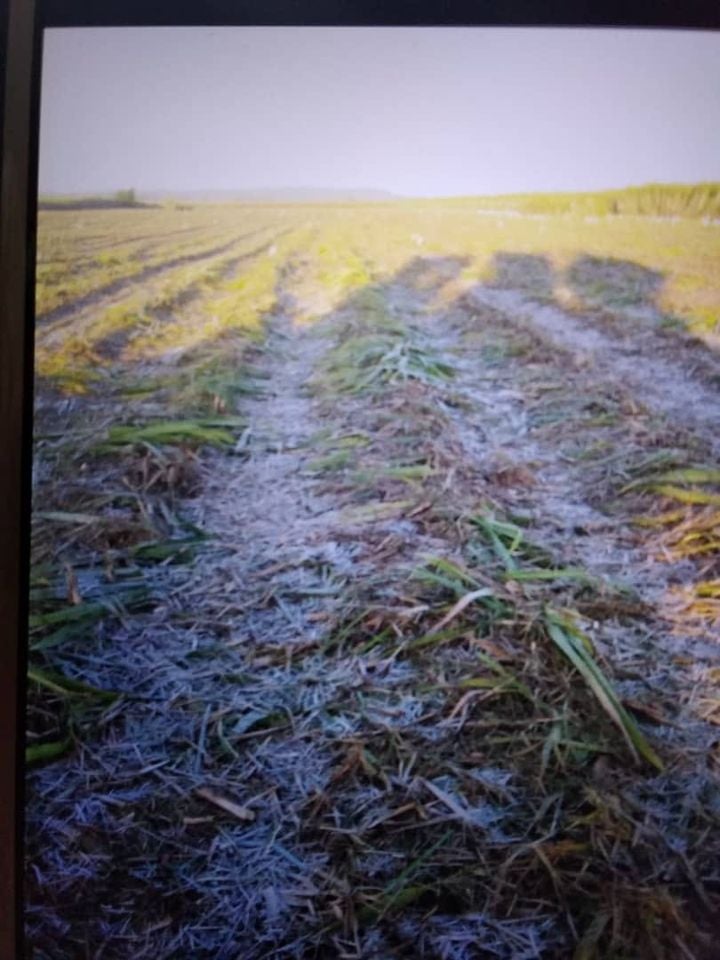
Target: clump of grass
[[370, 362], [696, 604], [485, 603], [683, 509], [213, 380], [680, 509]]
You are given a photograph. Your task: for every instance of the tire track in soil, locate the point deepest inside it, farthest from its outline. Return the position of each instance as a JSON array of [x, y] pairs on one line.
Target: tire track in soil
[[220, 645], [268, 512], [660, 385], [179, 673]]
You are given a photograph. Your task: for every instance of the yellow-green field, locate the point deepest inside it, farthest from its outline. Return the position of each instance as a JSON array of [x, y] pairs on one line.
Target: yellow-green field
[[129, 265]]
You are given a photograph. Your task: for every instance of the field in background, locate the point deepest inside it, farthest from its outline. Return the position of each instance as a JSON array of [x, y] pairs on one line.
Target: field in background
[[127, 266]]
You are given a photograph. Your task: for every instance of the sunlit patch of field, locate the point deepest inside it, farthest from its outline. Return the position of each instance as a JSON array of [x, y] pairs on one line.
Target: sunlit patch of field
[[74, 348], [80, 252], [619, 263], [683, 256], [671, 266]]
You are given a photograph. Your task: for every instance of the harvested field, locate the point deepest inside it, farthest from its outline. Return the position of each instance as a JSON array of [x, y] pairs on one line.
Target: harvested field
[[375, 595]]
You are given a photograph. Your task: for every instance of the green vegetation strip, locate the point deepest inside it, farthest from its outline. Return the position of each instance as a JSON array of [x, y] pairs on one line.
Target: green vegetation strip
[[214, 432]]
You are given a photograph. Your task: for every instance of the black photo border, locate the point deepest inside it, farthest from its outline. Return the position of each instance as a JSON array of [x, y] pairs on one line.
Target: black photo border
[[22, 23]]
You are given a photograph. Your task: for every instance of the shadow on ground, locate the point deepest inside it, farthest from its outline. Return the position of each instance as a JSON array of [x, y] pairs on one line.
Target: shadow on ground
[[623, 290], [594, 281], [614, 283], [427, 275], [533, 274]]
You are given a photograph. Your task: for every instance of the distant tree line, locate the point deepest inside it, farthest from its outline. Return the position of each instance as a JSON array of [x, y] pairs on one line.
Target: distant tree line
[[126, 197], [121, 198], [655, 199]]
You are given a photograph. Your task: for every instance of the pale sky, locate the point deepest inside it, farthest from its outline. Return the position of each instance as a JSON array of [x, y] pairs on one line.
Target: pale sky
[[418, 111]]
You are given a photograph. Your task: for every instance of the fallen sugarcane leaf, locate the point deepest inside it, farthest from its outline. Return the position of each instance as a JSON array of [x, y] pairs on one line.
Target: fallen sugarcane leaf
[[660, 519], [682, 475], [446, 573], [229, 806], [38, 752], [647, 711], [458, 608], [574, 646], [686, 496], [438, 638], [61, 516], [67, 687], [567, 573], [373, 512], [212, 431], [454, 805]]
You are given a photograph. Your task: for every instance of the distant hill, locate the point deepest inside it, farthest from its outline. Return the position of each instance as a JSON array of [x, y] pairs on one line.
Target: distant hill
[[279, 195], [77, 202], [152, 198]]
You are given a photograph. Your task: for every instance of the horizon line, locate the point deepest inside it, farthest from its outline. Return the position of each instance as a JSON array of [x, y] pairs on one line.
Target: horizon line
[[382, 191]]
